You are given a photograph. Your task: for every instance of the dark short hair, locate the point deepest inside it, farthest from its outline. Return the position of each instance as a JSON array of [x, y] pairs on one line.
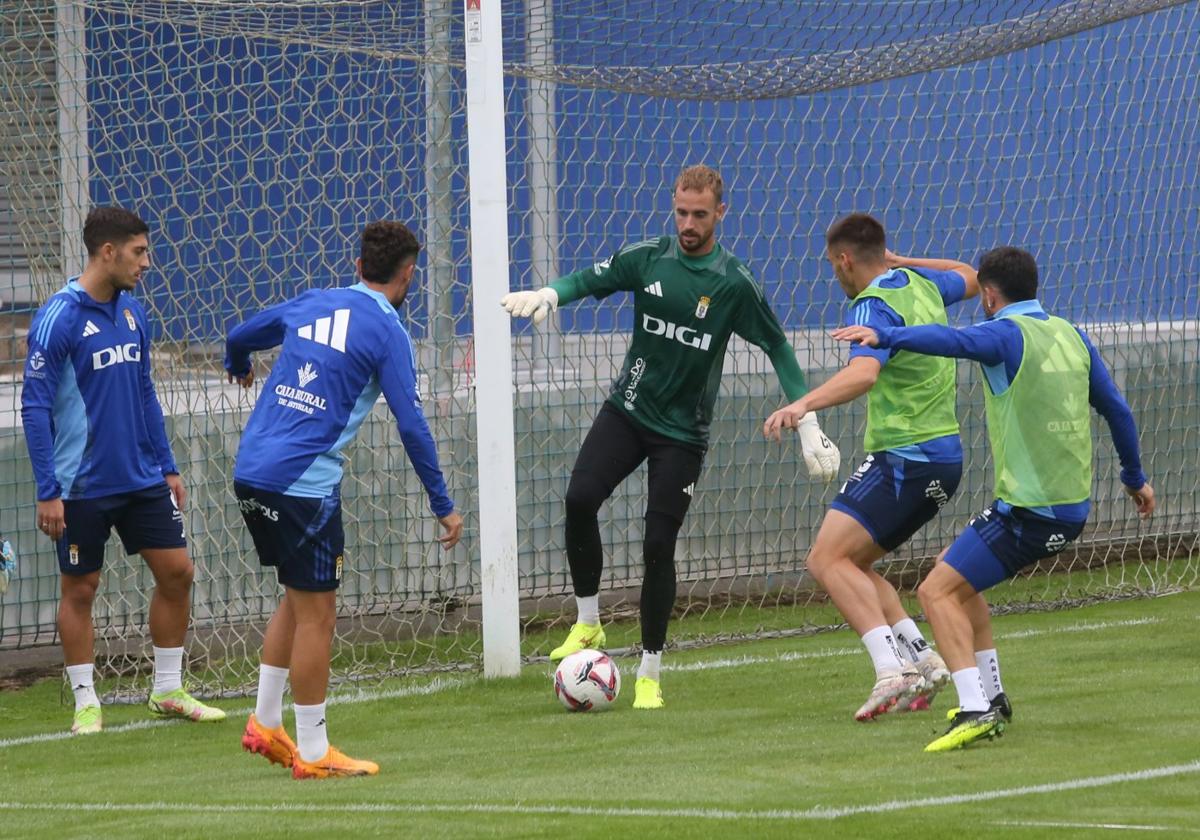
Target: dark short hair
[[1011, 271], [386, 247], [110, 224], [861, 232]]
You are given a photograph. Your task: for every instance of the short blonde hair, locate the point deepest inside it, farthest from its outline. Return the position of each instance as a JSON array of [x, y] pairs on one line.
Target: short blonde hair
[[700, 178]]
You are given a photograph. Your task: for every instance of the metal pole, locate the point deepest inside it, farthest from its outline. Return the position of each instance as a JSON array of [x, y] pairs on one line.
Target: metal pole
[[542, 166], [70, 54], [439, 204]]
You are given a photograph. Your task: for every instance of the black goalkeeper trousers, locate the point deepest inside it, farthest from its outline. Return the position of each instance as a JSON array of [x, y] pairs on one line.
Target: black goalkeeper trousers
[[614, 447]]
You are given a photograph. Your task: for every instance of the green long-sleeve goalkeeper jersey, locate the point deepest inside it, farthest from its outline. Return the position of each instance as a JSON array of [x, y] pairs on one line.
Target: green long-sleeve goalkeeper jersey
[[684, 311]]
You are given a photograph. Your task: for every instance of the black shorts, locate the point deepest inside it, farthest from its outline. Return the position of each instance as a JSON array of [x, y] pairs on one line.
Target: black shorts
[[146, 518], [301, 537], [616, 445], [893, 497]]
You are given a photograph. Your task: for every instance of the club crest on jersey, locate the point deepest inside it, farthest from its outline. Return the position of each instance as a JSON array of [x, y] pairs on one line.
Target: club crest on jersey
[[129, 320], [306, 374], [702, 306]]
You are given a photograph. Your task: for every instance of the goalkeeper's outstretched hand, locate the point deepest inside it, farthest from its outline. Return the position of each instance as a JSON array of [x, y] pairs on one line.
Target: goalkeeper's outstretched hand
[[536, 305], [821, 456]]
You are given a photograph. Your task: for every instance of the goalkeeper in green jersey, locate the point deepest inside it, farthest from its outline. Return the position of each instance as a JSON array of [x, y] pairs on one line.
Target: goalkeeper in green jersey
[[690, 295]]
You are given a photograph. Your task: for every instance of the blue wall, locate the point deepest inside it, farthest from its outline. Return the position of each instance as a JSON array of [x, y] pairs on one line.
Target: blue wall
[[257, 175]]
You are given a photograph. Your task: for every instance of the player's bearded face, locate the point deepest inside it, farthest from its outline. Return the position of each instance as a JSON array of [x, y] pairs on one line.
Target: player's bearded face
[[696, 216], [130, 260]]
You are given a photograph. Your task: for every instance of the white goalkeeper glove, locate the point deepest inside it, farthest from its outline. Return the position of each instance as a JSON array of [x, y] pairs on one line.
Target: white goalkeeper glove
[[820, 455], [537, 304]]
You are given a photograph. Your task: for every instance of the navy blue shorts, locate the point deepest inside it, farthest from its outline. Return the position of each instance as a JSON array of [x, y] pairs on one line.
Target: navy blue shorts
[[995, 546], [893, 497], [144, 519], [301, 537]]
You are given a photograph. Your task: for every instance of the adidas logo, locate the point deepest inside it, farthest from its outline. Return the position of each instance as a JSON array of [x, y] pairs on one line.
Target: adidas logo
[[654, 288], [329, 331], [90, 329], [690, 489]]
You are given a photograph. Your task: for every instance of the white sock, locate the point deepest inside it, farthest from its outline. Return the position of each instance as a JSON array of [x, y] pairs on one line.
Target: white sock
[[970, 690], [80, 677], [651, 664], [168, 669], [989, 671], [272, 682], [311, 736], [909, 639], [881, 645], [588, 609]]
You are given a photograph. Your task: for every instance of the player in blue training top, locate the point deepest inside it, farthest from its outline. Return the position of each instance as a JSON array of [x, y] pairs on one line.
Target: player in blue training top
[[1040, 373], [100, 457], [914, 459], [341, 348]]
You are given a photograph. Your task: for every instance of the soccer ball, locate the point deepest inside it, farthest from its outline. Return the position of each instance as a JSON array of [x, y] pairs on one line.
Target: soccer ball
[[587, 681]]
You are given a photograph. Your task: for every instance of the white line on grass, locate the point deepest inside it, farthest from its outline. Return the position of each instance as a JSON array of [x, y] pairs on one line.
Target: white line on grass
[[739, 661], [357, 696], [1110, 826], [443, 684], [817, 813], [1082, 627]]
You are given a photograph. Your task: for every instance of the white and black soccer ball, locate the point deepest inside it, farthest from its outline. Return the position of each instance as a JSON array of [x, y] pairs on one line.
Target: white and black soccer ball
[[587, 681]]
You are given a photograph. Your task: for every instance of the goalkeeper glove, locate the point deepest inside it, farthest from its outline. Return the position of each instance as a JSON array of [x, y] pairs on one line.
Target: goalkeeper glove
[[820, 455], [537, 304]]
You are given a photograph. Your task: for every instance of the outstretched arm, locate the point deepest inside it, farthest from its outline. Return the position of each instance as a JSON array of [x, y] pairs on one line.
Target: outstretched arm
[[258, 332], [984, 343], [969, 275], [849, 383], [617, 273]]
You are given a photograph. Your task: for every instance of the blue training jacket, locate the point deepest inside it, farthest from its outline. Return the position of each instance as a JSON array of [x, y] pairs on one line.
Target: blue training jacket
[[93, 423], [341, 348]]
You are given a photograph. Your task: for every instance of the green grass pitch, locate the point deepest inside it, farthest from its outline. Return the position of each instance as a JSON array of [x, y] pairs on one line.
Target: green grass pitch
[[757, 740]]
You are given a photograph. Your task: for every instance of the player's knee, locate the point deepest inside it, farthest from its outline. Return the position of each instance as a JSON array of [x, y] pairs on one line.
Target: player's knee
[[584, 496], [175, 581], [658, 545], [932, 591], [80, 592], [819, 563], [322, 621]]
